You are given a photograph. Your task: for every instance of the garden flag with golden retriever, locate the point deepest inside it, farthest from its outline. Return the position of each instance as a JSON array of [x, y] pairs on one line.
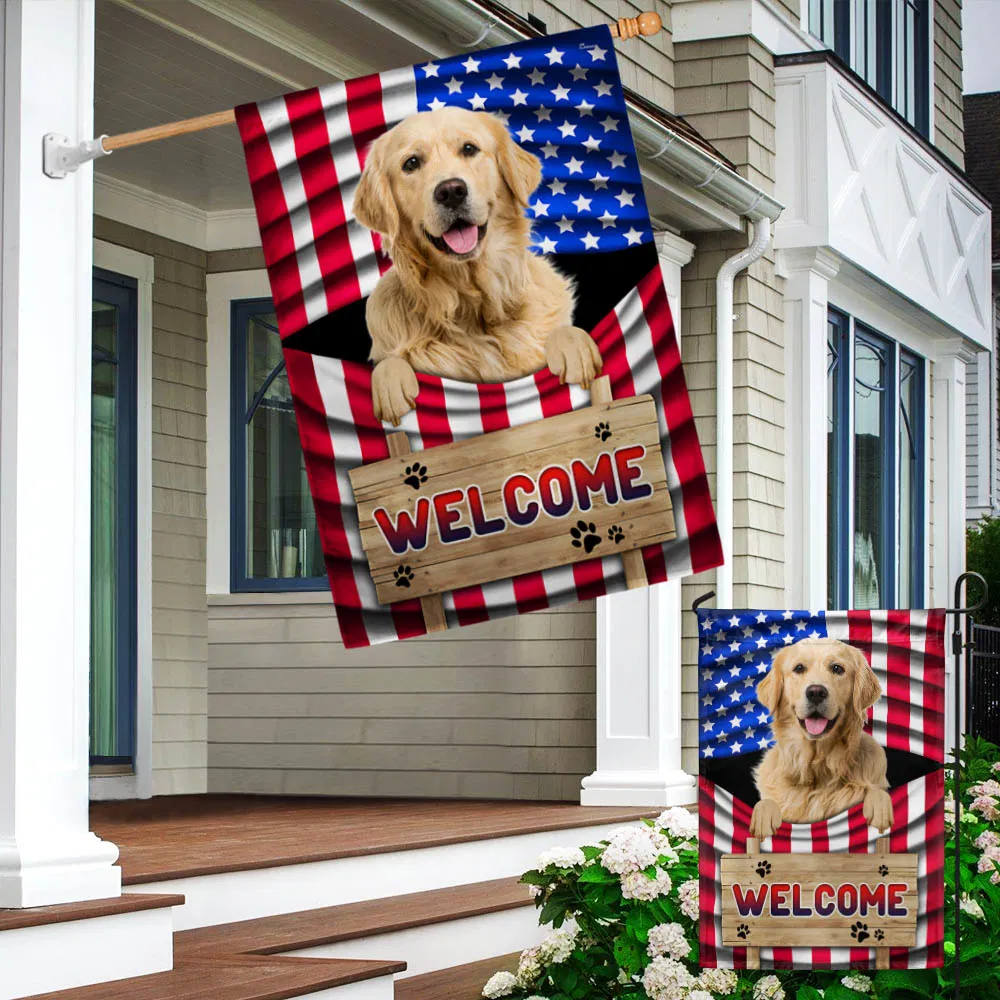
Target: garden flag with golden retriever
[[541, 126], [822, 734]]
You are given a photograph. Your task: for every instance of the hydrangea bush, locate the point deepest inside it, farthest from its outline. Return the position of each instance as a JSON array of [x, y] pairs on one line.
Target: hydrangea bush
[[624, 914]]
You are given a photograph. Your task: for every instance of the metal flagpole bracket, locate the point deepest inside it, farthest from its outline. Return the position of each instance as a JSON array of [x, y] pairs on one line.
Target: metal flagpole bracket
[[699, 601], [61, 157]]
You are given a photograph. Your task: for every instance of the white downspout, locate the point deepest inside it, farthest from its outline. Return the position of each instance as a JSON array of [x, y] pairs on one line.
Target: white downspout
[[724, 402]]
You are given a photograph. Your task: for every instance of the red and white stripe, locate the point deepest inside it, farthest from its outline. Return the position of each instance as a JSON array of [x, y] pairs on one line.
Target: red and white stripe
[[339, 432]]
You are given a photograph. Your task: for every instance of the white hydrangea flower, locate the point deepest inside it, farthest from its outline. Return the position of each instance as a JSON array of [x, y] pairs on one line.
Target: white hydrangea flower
[[630, 850], [768, 988], [561, 857], [534, 891], [688, 896], [722, 981], [638, 885], [669, 940], [699, 995], [529, 966], [971, 907], [501, 984], [856, 981], [559, 945], [666, 979], [664, 848], [678, 822]]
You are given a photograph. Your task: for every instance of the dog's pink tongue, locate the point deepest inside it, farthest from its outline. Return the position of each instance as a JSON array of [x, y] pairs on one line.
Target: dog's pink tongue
[[816, 725], [461, 239]]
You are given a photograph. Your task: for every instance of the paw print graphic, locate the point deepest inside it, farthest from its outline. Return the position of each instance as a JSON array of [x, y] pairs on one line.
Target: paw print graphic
[[616, 534], [879, 934], [403, 575], [602, 431], [585, 536], [859, 932], [763, 868], [415, 475], [743, 931], [883, 870]]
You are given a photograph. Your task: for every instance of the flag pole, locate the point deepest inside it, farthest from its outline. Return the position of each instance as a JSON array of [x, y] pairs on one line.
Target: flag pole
[[60, 156]]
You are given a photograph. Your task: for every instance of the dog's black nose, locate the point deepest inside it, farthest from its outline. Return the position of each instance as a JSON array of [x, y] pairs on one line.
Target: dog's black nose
[[451, 193], [815, 693]]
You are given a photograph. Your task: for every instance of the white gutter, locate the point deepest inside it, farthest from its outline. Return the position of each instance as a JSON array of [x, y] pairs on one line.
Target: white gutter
[[724, 402]]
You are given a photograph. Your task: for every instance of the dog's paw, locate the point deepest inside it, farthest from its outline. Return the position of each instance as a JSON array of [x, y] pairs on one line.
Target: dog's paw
[[879, 934], [883, 870], [415, 475], [743, 931], [403, 575], [877, 809], [763, 868], [765, 820], [394, 390], [859, 932], [616, 534], [572, 355], [584, 536]]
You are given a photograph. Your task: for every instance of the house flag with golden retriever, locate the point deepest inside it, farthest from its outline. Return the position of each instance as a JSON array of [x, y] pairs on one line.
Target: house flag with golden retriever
[[505, 254], [822, 734]]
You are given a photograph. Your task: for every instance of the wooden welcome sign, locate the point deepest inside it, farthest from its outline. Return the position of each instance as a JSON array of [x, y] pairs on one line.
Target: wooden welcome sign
[[819, 900], [578, 486]]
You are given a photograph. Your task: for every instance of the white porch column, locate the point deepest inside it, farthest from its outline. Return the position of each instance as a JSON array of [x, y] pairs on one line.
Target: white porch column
[[47, 853], [639, 664], [807, 274]]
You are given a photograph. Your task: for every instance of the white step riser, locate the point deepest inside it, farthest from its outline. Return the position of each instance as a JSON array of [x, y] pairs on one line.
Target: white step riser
[[440, 946], [82, 952], [371, 989], [263, 892]]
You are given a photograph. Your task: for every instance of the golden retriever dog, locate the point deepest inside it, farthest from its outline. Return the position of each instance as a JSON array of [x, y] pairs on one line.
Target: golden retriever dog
[[465, 298], [818, 692]]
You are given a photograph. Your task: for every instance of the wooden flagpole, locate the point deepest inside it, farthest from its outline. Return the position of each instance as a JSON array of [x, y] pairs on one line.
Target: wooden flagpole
[[647, 23]]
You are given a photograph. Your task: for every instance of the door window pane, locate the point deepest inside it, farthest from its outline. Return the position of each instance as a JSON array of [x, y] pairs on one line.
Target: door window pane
[[836, 485], [910, 483]]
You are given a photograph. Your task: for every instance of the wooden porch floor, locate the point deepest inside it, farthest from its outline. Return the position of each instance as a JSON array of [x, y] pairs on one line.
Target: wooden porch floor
[[189, 835]]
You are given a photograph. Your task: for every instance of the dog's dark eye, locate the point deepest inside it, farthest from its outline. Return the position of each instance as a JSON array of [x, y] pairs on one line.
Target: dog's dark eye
[[836, 668], [411, 164], [469, 149], [799, 668]]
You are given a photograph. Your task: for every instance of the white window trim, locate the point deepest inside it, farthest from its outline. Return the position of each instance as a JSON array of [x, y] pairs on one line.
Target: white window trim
[[139, 784]]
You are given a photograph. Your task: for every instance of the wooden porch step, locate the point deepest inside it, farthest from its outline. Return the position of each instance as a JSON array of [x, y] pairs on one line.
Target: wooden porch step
[[311, 928], [246, 977], [461, 982], [39, 916]]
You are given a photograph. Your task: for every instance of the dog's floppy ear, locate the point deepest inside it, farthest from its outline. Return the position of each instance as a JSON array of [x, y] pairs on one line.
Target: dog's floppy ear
[[521, 170], [374, 203], [770, 688], [867, 689]]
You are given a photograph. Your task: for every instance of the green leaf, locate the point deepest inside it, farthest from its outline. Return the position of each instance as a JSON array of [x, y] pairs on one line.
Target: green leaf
[[638, 923], [628, 954], [595, 873], [808, 992]]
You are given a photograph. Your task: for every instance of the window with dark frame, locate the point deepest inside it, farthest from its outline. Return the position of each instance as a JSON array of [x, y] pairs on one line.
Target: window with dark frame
[[274, 541]]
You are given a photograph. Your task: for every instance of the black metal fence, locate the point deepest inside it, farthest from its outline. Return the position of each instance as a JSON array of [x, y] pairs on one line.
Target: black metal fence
[[982, 683]]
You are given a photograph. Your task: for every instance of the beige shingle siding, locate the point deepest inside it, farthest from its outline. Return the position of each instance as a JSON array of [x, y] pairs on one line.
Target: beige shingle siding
[[646, 64], [180, 622], [725, 88], [500, 710], [948, 132]]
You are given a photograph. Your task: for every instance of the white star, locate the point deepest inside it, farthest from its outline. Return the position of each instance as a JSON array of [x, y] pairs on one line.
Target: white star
[[707, 700], [454, 86], [609, 220], [761, 617], [599, 181], [548, 150], [748, 683], [706, 649], [471, 65], [603, 89], [478, 102], [762, 718], [800, 626], [762, 742], [774, 628], [579, 72], [707, 624], [747, 657], [616, 160], [735, 647], [547, 245], [761, 668], [610, 124], [814, 634], [540, 208], [557, 186], [536, 76], [582, 204], [575, 166], [525, 134], [737, 747], [719, 636], [495, 82], [565, 225], [502, 116], [633, 236], [567, 129], [597, 53], [736, 721], [747, 632], [734, 621], [544, 114], [593, 144], [734, 671], [708, 751], [554, 56], [761, 642], [721, 658], [734, 696], [787, 615], [519, 97], [706, 673], [707, 727], [590, 241], [628, 198], [512, 61], [560, 93], [430, 69], [584, 108], [786, 639], [436, 105], [720, 685]]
